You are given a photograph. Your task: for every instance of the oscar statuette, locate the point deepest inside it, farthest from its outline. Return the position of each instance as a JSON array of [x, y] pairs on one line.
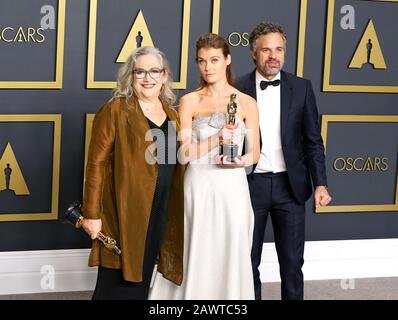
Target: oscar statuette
[[73, 215], [228, 148]]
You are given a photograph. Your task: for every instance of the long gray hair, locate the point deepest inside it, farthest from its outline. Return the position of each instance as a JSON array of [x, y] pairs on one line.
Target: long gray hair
[[124, 88]]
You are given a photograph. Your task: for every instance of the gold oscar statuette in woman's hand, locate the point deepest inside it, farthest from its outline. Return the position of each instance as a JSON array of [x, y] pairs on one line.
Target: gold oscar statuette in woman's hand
[[228, 148], [73, 215]]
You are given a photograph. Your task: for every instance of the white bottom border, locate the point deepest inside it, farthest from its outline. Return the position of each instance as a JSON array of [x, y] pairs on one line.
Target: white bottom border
[[67, 270]]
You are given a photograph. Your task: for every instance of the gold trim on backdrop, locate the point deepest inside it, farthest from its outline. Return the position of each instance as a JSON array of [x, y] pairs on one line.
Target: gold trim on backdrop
[[301, 39], [57, 84], [326, 119], [89, 127], [215, 26], [93, 84], [56, 118], [182, 84], [327, 86]]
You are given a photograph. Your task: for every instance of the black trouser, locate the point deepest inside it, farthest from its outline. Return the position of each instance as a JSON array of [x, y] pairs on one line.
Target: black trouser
[[271, 194], [110, 282]]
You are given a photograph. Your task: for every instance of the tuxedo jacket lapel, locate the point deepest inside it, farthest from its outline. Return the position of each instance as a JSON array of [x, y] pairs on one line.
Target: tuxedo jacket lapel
[[250, 85], [286, 99], [251, 90]]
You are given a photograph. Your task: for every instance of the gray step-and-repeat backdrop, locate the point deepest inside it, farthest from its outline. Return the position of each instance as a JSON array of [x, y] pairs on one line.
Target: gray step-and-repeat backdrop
[[58, 60]]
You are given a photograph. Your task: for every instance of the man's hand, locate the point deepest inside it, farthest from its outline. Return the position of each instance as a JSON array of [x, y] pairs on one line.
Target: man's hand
[[321, 196]]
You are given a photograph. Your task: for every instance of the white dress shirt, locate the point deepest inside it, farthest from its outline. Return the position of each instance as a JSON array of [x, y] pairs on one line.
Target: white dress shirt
[[269, 108]]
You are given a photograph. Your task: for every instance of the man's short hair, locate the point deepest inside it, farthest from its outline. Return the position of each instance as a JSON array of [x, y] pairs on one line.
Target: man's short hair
[[265, 28]]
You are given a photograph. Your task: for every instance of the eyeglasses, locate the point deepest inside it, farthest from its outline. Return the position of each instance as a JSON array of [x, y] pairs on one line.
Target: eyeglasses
[[154, 73]]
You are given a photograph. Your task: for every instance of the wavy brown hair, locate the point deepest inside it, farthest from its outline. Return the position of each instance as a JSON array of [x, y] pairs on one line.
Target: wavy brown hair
[[215, 41]]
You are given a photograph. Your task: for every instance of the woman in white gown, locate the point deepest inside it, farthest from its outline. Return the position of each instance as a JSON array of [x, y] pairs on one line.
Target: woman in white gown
[[218, 214]]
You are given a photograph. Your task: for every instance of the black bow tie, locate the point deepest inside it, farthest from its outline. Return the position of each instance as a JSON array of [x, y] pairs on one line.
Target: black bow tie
[[265, 84]]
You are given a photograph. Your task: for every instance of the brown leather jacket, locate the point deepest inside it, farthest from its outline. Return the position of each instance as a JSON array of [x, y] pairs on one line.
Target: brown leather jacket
[[119, 187]]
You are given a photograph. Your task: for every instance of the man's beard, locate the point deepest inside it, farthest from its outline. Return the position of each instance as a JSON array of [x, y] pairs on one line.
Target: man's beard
[[266, 71]]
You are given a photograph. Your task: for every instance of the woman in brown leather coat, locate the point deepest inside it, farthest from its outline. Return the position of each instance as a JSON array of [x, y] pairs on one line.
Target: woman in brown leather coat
[[134, 184]]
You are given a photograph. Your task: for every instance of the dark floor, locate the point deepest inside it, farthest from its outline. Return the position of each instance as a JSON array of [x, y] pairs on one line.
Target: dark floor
[[356, 289]]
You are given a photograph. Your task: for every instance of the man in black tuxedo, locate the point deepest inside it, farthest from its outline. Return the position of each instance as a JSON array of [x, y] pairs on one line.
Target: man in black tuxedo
[[292, 157]]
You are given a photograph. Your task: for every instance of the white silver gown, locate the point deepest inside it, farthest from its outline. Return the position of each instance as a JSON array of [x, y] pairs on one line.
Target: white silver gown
[[218, 227]]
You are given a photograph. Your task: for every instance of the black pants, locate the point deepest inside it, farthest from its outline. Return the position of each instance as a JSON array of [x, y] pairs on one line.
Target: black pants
[[110, 283], [271, 194]]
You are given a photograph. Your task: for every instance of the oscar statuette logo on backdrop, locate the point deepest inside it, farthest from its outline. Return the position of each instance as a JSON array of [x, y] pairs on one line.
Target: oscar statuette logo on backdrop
[[29, 166], [12, 181], [360, 47], [32, 38], [137, 25]]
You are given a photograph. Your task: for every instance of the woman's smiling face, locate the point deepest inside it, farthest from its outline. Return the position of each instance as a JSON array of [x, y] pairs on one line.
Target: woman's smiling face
[[148, 76]]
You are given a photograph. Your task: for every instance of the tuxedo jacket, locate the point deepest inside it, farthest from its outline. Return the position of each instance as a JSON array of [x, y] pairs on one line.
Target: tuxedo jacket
[[302, 143]]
